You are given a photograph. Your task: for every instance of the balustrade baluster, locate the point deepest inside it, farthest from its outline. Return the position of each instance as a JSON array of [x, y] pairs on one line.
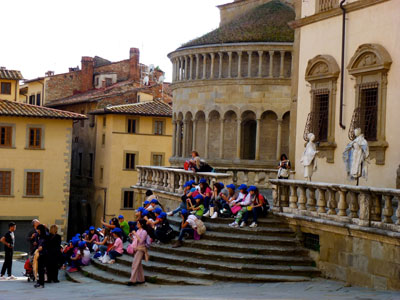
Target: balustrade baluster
[[332, 203], [398, 211], [140, 171], [180, 186], [166, 178], [245, 177], [388, 210], [293, 196], [171, 182], [353, 205], [321, 203], [302, 198], [376, 209], [342, 206], [365, 208], [311, 199], [275, 195], [256, 178]]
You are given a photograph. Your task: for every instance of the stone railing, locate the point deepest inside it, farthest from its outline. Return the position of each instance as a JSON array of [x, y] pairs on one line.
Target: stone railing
[[172, 180], [358, 205], [251, 176], [324, 5], [232, 61]]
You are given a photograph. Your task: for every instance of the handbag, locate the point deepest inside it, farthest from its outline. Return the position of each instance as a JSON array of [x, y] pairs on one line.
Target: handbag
[[283, 173], [235, 209], [201, 228], [132, 247]]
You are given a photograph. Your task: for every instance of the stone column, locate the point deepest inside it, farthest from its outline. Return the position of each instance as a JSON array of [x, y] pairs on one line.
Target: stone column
[[206, 138], [204, 65], [271, 64], [249, 64], [174, 139], [281, 74], [173, 70], [239, 64], [178, 137], [260, 55], [258, 137], [221, 139], [197, 67], [278, 140], [238, 137], [181, 69], [184, 138], [212, 65], [186, 67], [230, 64], [194, 134], [190, 66], [220, 65]]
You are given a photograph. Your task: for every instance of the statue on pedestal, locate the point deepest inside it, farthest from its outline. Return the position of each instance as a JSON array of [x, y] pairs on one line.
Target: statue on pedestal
[[356, 156], [309, 160]]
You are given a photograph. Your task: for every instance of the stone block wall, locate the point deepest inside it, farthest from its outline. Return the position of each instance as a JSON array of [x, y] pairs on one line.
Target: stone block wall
[[62, 85]]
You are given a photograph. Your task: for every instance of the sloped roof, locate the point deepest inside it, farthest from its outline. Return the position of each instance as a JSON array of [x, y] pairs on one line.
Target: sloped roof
[[18, 109], [155, 108], [10, 74], [265, 23]]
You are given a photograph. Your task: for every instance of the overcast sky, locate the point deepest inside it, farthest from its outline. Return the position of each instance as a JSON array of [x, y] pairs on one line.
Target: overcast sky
[[37, 36]]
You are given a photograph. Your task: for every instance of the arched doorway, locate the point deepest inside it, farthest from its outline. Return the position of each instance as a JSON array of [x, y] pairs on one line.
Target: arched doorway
[[249, 134]]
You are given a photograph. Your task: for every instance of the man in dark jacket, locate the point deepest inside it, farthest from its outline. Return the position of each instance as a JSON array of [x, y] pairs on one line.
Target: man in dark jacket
[[8, 240], [32, 237]]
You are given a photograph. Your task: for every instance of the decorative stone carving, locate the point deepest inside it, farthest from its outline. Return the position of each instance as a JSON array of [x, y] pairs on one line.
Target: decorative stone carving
[[322, 67]]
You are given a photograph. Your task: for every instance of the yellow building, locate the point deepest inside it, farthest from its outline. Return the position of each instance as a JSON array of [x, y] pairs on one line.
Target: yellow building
[[370, 74], [35, 160], [33, 92], [9, 84], [126, 136]]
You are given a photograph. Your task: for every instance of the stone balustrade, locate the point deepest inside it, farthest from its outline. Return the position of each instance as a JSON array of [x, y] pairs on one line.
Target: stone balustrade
[[251, 176], [376, 208], [232, 61], [171, 180], [324, 5]]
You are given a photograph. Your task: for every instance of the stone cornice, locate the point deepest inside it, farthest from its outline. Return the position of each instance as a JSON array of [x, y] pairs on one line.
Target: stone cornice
[[334, 12], [231, 81]]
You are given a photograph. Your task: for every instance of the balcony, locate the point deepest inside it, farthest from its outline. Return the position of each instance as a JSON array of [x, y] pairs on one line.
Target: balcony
[[324, 5]]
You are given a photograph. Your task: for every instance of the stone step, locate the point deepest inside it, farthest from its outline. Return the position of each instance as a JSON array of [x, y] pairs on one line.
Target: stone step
[[217, 255], [264, 231], [268, 222], [225, 245], [162, 260], [123, 272], [104, 275], [79, 277], [249, 238]]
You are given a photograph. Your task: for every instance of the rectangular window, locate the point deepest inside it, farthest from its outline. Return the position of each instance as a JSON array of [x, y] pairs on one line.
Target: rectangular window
[[38, 99], [103, 139], [321, 115], [108, 82], [6, 88], [35, 138], [157, 159], [79, 164], [131, 126], [5, 136], [130, 161], [158, 127], [90, 165], [33, 183], [32, 99], [5, 183], [128, 199], [369, 112], [104, 121]]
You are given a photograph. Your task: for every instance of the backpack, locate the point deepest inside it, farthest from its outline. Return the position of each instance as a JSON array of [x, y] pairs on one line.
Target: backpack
[[264, 202], [201, 228]]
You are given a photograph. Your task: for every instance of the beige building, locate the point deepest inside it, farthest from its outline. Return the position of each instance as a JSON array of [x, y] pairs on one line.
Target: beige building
[[232, 88], [35, 163], [9, 84], [127, 135], [370, 85], [33, 91]]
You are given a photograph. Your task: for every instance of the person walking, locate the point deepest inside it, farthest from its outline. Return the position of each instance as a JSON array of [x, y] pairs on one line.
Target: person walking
[[8, 240], [139, 237]]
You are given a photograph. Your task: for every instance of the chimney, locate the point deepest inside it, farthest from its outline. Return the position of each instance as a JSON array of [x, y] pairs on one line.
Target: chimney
[[87, 73], [49, 73], [134, 68]]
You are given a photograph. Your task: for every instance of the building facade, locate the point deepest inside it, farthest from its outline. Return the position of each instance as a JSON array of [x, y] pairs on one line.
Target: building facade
[[127, 136], [35, 164], [232, 88], [370, 75], [9, 84]]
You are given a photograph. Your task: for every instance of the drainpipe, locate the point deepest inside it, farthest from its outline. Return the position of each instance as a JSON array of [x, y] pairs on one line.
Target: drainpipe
[[342, 64]]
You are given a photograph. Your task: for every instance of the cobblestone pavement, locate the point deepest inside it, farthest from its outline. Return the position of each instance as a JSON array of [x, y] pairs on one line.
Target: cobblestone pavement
[[320, 289]]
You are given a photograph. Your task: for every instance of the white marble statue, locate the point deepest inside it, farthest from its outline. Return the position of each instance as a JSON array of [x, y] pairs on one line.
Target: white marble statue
[[356, 156], [309, 159]]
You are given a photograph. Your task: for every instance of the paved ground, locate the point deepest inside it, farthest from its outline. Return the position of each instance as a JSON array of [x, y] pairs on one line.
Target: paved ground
[[317, 289]]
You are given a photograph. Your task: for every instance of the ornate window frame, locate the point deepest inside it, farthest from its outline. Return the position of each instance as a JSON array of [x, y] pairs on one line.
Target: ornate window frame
[[322, 73], [371, 63]]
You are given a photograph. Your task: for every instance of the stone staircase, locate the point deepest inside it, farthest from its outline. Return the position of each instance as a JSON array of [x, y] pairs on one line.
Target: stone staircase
[[269, 253]]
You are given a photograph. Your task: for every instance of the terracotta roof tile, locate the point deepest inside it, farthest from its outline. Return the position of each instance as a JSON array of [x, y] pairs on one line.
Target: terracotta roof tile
[[17, 109], [154, 108], [10, 74]]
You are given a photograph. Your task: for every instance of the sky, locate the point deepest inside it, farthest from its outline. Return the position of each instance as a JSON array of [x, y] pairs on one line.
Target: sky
[[43, 35]]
